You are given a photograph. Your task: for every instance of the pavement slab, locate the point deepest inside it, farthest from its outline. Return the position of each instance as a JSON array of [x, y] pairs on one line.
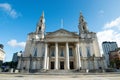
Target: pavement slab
[[105, 76]]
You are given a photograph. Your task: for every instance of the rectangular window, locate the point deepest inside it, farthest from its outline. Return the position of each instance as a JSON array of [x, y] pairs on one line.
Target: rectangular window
[[43, 51], [34, 52], [52, 52], [80, 51], [61, 52], [70, 52], [88, 52]]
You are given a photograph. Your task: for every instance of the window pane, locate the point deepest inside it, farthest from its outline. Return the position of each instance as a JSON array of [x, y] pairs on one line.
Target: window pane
[[61, 52], [88, 52], [52, 52], [70, 52], [35, 52], [80, 51], [43, 51]]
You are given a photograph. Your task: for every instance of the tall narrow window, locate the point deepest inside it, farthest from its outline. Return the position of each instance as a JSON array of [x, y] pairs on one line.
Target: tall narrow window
[[43, 51], [61, 52], [70, 52], [35, 52], [52, 52], [88, 52], [80, 51]]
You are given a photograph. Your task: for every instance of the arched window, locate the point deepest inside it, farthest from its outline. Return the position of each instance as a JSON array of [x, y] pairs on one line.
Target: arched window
[[41, 20], [84, 28], [40, 28]]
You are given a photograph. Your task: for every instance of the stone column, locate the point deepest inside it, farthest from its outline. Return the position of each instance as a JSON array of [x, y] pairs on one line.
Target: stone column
[[67, 57], [47, 63], [56, 56], [45, 56], [78, 56]]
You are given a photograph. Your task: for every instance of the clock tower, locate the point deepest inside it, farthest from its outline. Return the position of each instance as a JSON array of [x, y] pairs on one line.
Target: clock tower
[[40, 30], [82, 25]]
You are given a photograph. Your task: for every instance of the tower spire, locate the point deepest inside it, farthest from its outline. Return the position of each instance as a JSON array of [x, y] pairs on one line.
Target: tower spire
[[41, 26], [82, 24], [43, 14]]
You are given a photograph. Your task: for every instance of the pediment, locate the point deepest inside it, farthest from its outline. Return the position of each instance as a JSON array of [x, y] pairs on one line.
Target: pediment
[[61, 33]]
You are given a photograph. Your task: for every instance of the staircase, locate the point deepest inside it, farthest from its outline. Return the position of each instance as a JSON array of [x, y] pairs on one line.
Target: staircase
[[60, 72]]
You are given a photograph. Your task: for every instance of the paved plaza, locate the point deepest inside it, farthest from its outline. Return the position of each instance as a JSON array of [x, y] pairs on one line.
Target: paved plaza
[[89, 76]]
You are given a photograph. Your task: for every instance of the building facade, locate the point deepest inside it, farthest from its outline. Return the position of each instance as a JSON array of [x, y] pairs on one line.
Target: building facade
[[2, 54], [16, 56], [61, 49], [107, 47], [114, 57]]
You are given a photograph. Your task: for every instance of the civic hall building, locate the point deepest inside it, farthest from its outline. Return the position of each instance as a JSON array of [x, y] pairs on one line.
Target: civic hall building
[[61, 49]]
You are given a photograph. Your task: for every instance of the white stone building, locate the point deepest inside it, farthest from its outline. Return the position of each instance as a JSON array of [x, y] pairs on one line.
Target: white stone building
[[2, 54], [61, 49]]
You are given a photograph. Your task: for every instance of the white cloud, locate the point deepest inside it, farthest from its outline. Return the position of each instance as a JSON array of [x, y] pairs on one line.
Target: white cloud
[[14, 43], [114, 23], [108, 35], [9, 10], [110, 32]]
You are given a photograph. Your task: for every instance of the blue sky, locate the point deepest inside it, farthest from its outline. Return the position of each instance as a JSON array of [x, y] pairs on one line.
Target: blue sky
[[19, 17]]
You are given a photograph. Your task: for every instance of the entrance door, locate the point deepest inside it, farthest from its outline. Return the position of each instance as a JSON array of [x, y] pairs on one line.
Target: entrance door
[[52, 64], [62, 65], [71, 65]]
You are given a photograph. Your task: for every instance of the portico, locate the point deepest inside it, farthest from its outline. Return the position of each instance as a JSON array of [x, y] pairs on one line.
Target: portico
[[62, 55]]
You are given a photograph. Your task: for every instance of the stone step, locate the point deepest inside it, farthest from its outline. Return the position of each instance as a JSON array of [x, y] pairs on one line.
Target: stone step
[[60, 71]]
